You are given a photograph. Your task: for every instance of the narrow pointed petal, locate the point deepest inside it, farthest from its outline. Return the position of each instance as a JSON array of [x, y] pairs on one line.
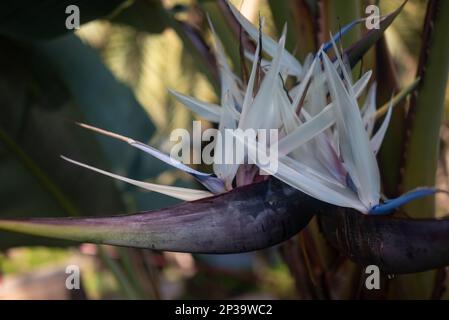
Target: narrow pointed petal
[[305, 180], [208, 111], [213, 184], [290, 121], [185, 194], [307, 131], [263, 114], [303, 85], [225, 167], [248, 98], [376, 141], [319, 189], [229, 81], [354, 141], [268, 45], [248, 218], [361, 84], [368, 111]]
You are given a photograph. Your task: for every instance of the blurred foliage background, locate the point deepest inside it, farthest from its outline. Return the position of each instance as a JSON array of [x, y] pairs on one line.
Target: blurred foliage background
[[114, 73]]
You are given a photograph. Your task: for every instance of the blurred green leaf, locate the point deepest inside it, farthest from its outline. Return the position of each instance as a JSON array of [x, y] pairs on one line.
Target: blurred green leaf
[[104, 101], [191, 37], [143, 15], [34, 131]]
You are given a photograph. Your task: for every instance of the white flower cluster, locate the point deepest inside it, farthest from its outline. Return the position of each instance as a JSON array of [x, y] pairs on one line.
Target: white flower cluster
[[326, 144]]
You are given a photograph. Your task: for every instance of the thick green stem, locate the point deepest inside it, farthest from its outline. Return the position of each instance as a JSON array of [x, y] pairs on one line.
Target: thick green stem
[[427, 107]]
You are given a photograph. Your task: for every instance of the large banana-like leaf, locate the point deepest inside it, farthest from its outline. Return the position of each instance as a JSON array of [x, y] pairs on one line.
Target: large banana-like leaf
[[33, 132], [37, 126]]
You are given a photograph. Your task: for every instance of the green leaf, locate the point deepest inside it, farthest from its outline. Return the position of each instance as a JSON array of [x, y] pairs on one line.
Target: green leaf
[[37, 121], [144, 15], [191, 38], [105, 101], [33, 132]]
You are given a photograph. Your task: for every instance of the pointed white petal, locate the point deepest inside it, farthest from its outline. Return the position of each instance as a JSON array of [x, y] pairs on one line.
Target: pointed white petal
[[225, 166], [354, 142], [208, 111], [343, 68], [212, 183], [175, 192], [316, 98], [268, 45], [229, 81], [369, 109], [361, 84], [318, 189], [303, 85], [319, 175], [248, 99], [263, 114], [307, 131], [303, 179], [290, 120], [376, 141]]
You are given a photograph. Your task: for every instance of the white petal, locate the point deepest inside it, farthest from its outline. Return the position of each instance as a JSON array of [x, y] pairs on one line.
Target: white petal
[[229, 81], [360, 85], [248, 99], [354, 142], [263, 114], [290, 120], [307, 131], [223, 168], [208, 111], [175, 192], [303, 85], [376, 141], [268, 45], [369, 109], [307, 182], [212, 183]]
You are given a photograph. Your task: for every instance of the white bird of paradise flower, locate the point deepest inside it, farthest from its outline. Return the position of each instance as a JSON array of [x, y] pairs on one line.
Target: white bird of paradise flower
[[326, 146]]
